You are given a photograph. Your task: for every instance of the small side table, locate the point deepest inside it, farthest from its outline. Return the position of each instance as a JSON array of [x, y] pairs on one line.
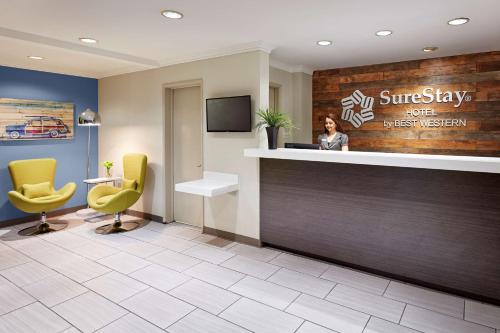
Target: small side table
[[94, 181]]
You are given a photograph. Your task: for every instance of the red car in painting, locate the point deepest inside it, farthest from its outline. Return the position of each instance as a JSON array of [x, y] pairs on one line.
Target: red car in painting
[[38, 127]]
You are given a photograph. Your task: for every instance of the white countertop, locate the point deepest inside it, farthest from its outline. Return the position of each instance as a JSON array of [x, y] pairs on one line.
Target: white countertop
[[422, 161]]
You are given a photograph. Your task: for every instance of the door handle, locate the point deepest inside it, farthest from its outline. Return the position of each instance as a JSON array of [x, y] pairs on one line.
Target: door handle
[[198, 166]]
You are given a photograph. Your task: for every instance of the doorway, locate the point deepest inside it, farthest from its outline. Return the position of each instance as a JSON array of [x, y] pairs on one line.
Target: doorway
[[186, 152], [274, 97]]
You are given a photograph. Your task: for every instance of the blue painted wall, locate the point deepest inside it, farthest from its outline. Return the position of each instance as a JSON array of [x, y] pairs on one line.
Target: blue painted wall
[[71, 155]]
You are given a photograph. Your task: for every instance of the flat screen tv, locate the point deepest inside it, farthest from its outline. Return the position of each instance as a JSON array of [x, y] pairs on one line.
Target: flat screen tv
[[229, 114]]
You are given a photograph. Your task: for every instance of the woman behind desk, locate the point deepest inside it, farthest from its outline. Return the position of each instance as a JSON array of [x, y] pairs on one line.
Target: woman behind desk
[[333, 138]]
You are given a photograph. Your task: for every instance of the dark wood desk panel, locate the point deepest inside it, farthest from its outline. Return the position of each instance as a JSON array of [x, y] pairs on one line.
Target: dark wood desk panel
[[436, 228]]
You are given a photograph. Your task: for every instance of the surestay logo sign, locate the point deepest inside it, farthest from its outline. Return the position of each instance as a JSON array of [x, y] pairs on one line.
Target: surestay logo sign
[[427, 96], [366, 113]]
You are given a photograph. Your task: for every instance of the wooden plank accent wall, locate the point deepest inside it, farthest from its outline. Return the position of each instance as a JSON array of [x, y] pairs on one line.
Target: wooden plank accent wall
[[479, 74]]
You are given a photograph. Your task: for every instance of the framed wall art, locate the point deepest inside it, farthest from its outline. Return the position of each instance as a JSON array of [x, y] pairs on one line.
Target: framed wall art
[[22, 119]]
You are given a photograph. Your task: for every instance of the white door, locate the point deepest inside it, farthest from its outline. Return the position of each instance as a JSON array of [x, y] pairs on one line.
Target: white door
[[187, 152]]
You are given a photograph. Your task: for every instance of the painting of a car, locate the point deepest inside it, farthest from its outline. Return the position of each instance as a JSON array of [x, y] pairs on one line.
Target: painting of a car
[[38, 127]]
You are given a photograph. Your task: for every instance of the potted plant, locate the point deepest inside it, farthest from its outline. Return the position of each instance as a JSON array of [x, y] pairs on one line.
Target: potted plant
[[273, 120], [108, 165]]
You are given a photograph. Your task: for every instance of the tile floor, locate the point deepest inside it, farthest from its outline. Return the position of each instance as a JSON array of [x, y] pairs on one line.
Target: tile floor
[[172, 278]]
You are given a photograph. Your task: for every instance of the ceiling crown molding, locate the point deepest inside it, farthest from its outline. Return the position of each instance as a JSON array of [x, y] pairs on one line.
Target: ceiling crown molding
[[222, 52], [290, 68], [28, 37]]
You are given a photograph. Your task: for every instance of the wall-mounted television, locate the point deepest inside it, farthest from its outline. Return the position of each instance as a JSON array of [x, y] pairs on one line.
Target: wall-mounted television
[[229, 114]]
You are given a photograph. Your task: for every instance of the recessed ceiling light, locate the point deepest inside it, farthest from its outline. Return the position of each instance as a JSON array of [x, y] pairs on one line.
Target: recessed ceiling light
[[35, 57], [459, 21], [172, 14], [324, 42], [430, 48], [87, 40], [383, 33]]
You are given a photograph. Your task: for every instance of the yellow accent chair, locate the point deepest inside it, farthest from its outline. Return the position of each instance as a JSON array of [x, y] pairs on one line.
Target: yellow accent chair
[[114, 200], [33, 183]]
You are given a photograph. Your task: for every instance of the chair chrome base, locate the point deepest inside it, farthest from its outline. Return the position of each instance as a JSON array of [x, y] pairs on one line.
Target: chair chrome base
[[118, 226], [42, 228]]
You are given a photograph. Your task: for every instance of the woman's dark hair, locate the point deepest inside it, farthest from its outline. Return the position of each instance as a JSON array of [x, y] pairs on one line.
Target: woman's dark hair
[[338, 127]]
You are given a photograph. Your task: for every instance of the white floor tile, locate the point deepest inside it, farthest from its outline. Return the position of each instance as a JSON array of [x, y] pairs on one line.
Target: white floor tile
[[160, 277], [31, 319], [265, 292], [377, 325], [256, 268], [55, 257], [200, 321], [208, 253], [182, 232], [327, 314], [11, 297], [144, 235], [64, 239], [81, 270], [124, 263], [197, 301], [55, 289], [142, 249], [130, 324], [300, 264], [355, 279], [257, 253], [203, 238], [260, 318], [28, 273], [482, 313], [114, 240], [174, 260], [302, 282], [10, 258], [426, 298], [205, 296], [157, 226], [214, 274], [28, 245], [308, 327], [173, 243], [89, 312], [157, 307], [94, 250], [363, 301], [432, 322], [115, 286]]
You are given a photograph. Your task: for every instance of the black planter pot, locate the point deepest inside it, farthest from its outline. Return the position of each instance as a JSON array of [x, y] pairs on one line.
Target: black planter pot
[[272, 137]]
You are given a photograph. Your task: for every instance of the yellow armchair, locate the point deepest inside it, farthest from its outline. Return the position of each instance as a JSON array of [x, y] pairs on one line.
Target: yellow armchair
[[37, 171], [114, 200]]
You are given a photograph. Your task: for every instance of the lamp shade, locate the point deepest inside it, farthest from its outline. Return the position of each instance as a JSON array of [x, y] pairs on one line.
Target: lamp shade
[[89, 118]]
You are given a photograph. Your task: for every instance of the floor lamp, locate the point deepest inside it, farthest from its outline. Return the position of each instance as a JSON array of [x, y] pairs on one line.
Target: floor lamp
[[89, 118]]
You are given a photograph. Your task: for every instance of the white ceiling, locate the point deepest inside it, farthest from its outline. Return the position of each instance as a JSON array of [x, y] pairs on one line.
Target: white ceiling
[[134, 36]]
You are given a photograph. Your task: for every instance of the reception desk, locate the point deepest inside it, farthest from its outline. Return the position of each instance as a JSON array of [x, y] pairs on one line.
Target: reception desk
[[426, 219]]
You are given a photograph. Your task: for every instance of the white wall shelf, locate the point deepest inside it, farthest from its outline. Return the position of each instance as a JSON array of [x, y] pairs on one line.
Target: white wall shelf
[[211, 185]]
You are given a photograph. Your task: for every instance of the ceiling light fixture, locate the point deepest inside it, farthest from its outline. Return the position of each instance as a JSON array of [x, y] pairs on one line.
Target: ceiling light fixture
[[459, 21], [430, 48], [87, 40], [172, 14], [324, 42], [35, 57], [383, 33]]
